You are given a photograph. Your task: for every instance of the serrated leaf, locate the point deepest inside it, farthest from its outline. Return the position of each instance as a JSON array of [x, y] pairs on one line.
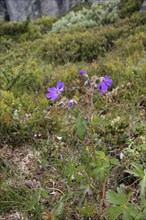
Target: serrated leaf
[[126, 214], [122, 196], [133, 172], [81, 129], [58, 210], [139, 172], [133, 211], [139, 169], [119, 198], [143, 185], [115, 161], [128, 196], [114, 212], [112, 197]]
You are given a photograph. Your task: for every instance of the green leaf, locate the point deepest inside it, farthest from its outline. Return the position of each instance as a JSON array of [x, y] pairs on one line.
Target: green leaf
[[80, 168], [123, 197], [126, 214], [115, 161], [81, 129], [119, 198], [102, 174], [134, 211], [114, 212], [58, 210], [133, 172], [139, 169], [120, 204], [35, 199], [112, 197], [139, 172], [67, 196], [143, 185], [87, 210]]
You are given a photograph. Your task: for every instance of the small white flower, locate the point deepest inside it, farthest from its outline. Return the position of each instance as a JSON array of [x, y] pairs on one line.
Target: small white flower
[[53, 193], [59, 138], [121, 155]]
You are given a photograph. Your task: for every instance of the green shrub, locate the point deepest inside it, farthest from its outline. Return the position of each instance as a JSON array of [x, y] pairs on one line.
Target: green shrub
[[27, 30], [13, 29], [29, 63], [83, 46], [72, 48], [127, 7], [44, 24], [96, 15]]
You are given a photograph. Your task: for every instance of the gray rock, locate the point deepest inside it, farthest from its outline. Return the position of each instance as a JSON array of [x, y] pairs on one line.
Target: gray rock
[[20, 10], [143, 8], [3, 10]]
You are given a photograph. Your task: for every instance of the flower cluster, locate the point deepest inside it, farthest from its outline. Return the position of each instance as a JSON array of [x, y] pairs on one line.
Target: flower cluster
[[102, 87]]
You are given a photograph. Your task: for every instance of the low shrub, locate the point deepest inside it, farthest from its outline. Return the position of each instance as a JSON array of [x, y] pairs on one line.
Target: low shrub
[[27, 30], [83, 46], [128, 7], [72, 48], [13, 29], [96, 15]]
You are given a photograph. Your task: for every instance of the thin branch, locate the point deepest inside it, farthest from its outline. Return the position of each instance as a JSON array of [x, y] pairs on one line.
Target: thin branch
[[14, 81]]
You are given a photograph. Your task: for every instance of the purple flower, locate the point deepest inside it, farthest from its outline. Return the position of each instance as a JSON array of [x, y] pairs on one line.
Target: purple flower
[[104, 83], [54, 91], [102, 87], [82, 72], [107, 80], [70, 104]]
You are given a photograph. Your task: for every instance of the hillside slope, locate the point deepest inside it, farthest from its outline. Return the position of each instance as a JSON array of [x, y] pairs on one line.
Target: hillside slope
[[82, 155]]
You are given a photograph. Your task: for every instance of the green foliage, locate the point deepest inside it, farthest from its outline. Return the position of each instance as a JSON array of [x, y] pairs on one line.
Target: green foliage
[[97, 15], [79, 127], [11, 29], [101, 166], [80, 6], [120, 205], [82, 46], [87, 210], [58, 211], [64, 139], [74, 47], [74, 172], [28, 30], [14, 197], [138, 172], [128, 7]]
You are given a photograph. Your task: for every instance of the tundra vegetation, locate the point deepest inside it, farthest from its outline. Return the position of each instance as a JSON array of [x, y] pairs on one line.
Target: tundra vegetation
[[73, 105]]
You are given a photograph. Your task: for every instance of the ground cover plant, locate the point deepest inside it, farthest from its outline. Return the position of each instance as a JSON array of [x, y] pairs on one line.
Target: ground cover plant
[[72, 114]]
